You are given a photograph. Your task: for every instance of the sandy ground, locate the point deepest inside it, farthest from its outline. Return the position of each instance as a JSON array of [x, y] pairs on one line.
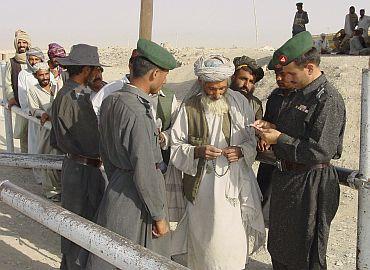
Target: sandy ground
[[25, 244]]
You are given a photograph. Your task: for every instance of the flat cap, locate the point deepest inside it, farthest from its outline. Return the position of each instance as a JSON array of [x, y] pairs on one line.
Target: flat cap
[[291, 50], [245, 61], [156, 54]]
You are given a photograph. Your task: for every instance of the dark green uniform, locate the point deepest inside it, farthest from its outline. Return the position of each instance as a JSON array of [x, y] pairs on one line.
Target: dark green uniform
[[305, 194]]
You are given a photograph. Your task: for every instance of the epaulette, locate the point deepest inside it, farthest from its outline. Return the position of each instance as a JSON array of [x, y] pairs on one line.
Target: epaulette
[[321, 91]]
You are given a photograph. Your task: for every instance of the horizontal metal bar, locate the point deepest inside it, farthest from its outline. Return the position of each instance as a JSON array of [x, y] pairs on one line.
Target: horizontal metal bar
[[33, 161], [20, 112], [345, 175], [111, 247]]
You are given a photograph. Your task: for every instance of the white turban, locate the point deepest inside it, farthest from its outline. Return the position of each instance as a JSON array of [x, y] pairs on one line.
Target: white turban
[[213, 68], [40, 66]]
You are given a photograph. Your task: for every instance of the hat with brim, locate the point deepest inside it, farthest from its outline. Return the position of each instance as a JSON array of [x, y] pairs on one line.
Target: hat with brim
[[245, 61], [291, 50], [156, 54], [81, 55]]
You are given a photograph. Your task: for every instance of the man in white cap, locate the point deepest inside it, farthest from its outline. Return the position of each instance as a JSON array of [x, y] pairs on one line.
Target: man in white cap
[[22, 43], [215, 148]]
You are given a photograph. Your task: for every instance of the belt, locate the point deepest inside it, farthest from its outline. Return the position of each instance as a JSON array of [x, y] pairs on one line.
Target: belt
[[287, 166], [95, 162]]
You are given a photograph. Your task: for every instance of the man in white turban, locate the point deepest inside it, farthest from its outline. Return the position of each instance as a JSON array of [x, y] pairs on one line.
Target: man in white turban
[[214, 147]]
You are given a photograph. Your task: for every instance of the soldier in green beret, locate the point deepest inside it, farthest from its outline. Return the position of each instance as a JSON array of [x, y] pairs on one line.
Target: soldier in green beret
[[134, 204], [306, 135]]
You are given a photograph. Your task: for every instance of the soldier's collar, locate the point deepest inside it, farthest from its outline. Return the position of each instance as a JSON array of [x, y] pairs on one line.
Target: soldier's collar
[[314, 85], [144, 97]]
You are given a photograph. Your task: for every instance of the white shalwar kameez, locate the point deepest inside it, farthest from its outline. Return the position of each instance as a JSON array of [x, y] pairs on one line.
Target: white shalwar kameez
[[217, 221]]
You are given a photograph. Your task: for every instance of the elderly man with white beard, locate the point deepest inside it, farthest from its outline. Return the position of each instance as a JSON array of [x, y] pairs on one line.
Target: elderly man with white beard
[[215, 147]]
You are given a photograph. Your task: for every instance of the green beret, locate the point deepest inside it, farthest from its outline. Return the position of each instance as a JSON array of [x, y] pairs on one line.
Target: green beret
[[291, 50], [156, 54]]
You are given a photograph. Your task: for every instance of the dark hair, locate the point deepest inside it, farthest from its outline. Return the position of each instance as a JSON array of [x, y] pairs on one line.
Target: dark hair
[[141, 66], [74, 70], [312, 56]]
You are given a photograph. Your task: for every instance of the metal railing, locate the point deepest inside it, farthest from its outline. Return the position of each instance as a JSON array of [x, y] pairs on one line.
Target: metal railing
[[111, 247]]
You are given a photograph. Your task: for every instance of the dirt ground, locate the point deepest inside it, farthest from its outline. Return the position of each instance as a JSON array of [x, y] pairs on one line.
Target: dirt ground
[[25, 244]]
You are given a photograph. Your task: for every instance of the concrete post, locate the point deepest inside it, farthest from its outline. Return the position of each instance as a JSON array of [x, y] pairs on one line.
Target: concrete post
[[7, 113], [146, 19], [363, 221]]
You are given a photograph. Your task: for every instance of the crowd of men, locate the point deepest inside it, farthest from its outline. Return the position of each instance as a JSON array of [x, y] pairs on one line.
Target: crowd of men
[[136, 158]]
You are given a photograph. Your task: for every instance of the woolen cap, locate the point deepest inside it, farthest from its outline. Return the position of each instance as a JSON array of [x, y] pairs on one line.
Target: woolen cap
[[291, 50], [245, 61], [156, 54], [81, 55]]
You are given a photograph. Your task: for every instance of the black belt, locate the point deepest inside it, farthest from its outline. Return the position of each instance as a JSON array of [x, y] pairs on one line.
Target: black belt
[[288, 166], [95, 162]]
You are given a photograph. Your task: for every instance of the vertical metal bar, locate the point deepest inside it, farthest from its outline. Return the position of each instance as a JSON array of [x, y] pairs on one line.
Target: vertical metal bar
[[363, 221], [146, 19], [7, 114]]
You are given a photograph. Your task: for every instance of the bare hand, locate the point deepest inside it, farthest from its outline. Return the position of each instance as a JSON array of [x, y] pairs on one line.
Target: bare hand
[[263, 145], [11, 103], [162, 140], [232, 153], [263, 124], [207, 152], [44, 117], [160, 228], [270, 135]]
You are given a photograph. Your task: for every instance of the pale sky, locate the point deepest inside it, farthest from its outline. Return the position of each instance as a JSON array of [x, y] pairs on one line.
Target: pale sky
[[208, 23]]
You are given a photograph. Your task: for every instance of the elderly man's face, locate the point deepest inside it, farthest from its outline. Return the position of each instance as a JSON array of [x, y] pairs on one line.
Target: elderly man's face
[[244, 81], [22, 46], [43, 77], [215, 90], [32, 59], [95, 80]]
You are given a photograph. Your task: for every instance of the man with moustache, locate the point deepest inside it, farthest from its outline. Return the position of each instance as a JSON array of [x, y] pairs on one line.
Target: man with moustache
[[22, 43], [76, 134], [59, 74], [247, 74], [96, 83], [215, 148], [307, 134], [134, 204], [40, 98]]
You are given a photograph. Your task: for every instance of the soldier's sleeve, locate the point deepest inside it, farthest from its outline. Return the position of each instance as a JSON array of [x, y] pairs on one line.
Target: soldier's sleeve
[[9, 94], [306, 20], [147, 178], [325, 136]]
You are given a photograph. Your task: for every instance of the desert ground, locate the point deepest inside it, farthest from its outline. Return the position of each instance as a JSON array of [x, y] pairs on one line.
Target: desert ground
[[25, 244]]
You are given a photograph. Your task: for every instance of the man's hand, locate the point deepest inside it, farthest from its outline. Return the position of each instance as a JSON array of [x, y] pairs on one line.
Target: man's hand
[[162, 140], [207, 152], [263, 124], [263, 145], [160, 228], [44, 117], [11, 103], [232, 153], [269, 135]]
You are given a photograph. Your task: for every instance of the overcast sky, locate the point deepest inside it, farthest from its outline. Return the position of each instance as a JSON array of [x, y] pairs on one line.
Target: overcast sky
[[208, 23]]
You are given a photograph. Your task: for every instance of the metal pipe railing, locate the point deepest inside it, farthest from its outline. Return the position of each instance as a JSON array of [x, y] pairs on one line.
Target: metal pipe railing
[[363, 221], [112, 247], [32, 161]]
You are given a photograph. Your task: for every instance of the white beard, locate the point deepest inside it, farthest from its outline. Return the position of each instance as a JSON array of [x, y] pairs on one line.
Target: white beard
[[218, 107]]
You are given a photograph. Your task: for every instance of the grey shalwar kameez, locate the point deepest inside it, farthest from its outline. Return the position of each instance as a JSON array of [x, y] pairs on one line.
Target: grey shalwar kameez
[[135, 195], [304, 202], [75, 128]]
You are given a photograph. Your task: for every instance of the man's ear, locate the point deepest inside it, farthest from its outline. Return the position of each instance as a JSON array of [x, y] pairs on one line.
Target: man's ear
[[153, 74], [310, 67]]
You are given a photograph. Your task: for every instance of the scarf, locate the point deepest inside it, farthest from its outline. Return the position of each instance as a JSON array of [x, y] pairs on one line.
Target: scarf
[[20, 34]]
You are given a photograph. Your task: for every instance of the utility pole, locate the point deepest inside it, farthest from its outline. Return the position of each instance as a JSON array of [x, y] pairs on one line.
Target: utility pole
[[146, 19]]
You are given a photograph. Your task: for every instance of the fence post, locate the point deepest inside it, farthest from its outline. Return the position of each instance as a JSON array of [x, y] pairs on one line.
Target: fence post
[[7, 113], [363, 221]]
